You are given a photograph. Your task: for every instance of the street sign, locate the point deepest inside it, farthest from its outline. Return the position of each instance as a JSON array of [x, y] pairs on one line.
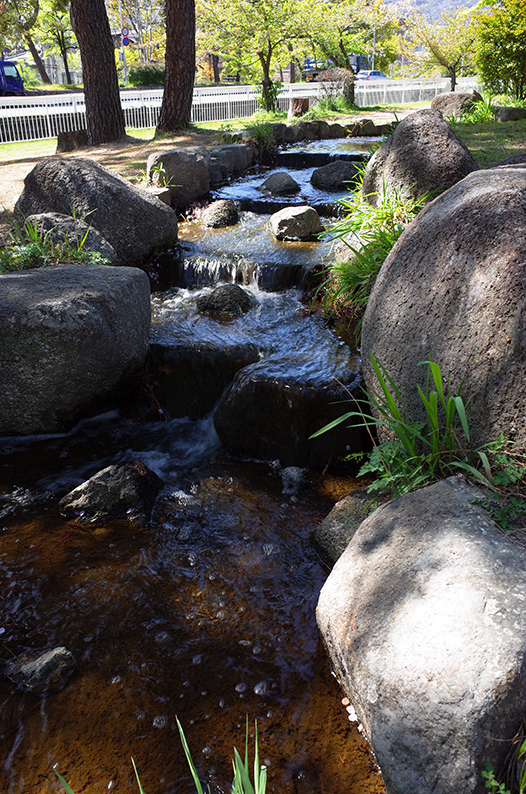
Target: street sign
[[125, 31], [125, 41]]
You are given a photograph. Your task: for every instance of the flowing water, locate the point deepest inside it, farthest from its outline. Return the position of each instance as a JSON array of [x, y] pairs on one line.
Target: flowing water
[[206, 613]]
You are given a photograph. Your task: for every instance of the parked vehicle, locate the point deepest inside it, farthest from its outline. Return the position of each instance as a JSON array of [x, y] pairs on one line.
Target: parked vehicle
[[313, 71], [371, 74], [10, 81]]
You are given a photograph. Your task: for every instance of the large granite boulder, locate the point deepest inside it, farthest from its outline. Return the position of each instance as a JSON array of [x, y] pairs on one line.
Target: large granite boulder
[[79, 234], [129, 218], [295, 223], [125, 491], [509, 113], [452, 290], [454, 103], [184, 171], [338, 175], [423, 155], [423, 619], [273, 407], [74, 341]]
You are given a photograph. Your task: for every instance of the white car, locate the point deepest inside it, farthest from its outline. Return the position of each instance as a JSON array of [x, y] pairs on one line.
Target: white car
[[371, 74]]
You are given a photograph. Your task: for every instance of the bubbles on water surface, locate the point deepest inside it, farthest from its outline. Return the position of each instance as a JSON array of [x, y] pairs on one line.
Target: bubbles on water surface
[[241, 687], [159, 721]]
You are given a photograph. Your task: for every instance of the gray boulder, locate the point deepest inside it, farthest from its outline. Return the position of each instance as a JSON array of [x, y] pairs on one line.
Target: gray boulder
[[184, 171], [60, 228], [237, 157], [42, 672], [126, 491], [129, 218], [454, 103], [423, 155], [330, 538], [295, 223], [337, 175], [423, 619], [509, 114], [74, 341], [280, 184], [336, 130], [452, 290], [228, 300], [514, 159], [273, 407], [220, 213]]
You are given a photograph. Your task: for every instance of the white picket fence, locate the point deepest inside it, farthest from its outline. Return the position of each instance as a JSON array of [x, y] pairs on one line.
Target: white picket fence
[[41, 117]]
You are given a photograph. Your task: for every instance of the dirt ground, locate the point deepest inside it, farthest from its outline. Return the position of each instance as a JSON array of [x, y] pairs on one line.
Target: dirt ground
[[128, 158]]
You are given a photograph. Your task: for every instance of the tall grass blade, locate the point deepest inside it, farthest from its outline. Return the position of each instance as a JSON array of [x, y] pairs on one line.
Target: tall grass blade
[[186, 749], [461, 411], [65, 785], [141, 790]]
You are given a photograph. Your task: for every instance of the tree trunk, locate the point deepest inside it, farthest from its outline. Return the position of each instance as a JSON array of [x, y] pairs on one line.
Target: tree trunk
[[176, 108], [64, 52], [37, 59], [266, 83], [215, 67], [453, 77], [104, 116]]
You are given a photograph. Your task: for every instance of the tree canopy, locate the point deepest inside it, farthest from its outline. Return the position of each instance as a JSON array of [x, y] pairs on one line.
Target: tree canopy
[[501, 47], [447, 43]]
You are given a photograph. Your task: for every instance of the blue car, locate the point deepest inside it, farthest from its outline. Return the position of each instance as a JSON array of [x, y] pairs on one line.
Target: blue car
[[10, 81]]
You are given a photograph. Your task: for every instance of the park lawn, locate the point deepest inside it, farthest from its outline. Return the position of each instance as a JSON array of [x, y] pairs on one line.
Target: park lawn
[[491, 141]]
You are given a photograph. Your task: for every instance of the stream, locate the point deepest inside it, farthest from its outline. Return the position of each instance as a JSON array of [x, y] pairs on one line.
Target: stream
[[207, 612]]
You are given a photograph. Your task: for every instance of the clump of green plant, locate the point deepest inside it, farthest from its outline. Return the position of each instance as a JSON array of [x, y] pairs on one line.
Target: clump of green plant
[[241, 783], [28, 247], [419, 452], [483, 110], [507, 505], [369, 231], [262, 134]]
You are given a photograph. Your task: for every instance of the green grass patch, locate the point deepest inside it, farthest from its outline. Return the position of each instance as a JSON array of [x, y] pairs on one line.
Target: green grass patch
[[492, 141]]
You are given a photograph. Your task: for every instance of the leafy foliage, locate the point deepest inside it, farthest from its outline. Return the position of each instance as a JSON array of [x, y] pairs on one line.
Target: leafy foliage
[[493, 785], [501, 47], [446, 44]]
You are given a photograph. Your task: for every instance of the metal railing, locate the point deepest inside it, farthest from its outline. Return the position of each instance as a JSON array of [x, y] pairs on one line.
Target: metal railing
[[41, 117]]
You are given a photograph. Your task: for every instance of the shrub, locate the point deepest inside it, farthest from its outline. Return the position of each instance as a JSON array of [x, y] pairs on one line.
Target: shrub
[[144, 74]]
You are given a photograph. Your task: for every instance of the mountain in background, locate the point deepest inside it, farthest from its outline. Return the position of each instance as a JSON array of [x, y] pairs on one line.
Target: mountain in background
[[435, 8]]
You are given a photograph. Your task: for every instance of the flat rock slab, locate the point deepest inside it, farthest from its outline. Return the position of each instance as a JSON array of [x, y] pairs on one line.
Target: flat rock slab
[[330, 538], [424, 620], [74, 341]]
